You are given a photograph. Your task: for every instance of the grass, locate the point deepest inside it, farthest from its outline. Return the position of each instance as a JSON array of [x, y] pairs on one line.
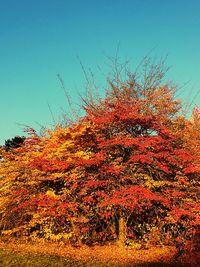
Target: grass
[[20, 254], [11, 259]]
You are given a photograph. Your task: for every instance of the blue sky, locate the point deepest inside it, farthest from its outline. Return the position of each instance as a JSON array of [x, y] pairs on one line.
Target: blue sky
[[41, 38]]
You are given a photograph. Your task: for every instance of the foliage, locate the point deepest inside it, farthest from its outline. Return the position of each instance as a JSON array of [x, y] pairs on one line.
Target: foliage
[[126, 172]]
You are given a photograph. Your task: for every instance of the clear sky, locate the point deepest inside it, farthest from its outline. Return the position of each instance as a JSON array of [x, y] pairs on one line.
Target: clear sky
[[41, 38]]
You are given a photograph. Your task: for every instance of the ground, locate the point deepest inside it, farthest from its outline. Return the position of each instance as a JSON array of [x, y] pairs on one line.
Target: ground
[[16, 253]]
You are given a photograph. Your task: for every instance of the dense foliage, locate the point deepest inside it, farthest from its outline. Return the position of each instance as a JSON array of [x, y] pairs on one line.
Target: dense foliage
[[126, 172]]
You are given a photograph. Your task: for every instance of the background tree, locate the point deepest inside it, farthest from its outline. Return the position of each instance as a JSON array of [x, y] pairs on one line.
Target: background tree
[[15, 142]]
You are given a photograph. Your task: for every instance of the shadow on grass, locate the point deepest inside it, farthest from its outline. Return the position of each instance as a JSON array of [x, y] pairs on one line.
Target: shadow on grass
[[161, 265]]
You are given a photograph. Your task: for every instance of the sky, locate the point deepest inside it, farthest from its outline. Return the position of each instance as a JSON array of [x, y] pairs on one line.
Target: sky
[[40, 39]]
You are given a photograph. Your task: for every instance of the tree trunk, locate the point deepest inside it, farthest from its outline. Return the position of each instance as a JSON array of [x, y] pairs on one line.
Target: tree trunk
[[122, 232], [76, 234]]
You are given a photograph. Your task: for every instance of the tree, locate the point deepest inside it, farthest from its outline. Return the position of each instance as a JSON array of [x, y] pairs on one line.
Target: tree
[[116, 174], [15, 142]]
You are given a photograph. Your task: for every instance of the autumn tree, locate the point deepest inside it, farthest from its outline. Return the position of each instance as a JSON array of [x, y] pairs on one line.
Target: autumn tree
[[125, 171]]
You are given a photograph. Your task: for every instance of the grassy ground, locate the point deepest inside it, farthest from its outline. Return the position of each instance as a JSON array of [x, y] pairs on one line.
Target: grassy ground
[[10, 259], [51, 255]]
